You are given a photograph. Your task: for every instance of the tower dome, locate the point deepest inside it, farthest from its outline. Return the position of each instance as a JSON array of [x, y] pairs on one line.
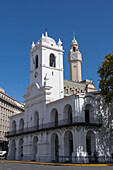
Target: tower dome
[[74, 42]]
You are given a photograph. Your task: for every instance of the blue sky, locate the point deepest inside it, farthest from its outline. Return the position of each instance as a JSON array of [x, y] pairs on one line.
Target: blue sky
[[23, 21]]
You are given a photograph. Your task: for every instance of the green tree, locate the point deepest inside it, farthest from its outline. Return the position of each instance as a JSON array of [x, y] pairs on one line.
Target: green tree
[[106, 78]]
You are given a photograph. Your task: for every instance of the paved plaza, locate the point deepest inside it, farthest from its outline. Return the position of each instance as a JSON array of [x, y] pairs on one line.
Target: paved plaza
[[22, 166]]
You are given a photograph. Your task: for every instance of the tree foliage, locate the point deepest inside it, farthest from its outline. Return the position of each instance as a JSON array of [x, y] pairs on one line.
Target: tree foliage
[[106, 78]]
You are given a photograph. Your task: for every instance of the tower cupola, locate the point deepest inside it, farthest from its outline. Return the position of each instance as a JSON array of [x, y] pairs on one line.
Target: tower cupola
[[74, 42], [74, 45]]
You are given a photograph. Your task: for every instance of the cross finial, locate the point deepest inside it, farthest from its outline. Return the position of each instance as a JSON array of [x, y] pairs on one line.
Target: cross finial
[[46, 32]]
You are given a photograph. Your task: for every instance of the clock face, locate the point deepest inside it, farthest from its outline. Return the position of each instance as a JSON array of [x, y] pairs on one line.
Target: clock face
[[36, 74], [74, 55]]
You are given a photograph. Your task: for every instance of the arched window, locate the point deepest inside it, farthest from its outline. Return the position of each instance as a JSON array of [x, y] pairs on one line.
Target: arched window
[[21, 125], [54, 147], [36, 120], [68, 114], [52, 60], [34, 147], [68, 145], [13, 150], [36, 61], [89, 113], [14, 126], [90, 142], [54, 117], [66, 91], [74, 49], [21, 142]]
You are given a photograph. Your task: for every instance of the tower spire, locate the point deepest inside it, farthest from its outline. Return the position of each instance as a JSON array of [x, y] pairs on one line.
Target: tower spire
[[73, 34], [74, 40], [46, 32]]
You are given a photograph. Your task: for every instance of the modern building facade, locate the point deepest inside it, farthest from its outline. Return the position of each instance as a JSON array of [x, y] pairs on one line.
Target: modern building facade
[[8, 107], [64, 120]]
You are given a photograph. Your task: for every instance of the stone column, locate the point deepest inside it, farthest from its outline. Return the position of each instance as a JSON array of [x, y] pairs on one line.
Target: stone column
[[27, 148], [9, 156], [61, 147], [43, 148], [75, 144], [17, 151], [27, 154], [81, 145]]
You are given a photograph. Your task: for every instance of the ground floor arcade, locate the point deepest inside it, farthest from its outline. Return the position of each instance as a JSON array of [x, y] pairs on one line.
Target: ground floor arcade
[[70, 144]]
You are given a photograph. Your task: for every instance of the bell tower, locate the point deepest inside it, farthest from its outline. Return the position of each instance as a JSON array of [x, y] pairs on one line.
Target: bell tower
[[75, 61], [46, 66]]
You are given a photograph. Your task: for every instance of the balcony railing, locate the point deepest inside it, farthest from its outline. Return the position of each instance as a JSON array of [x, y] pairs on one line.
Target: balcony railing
[[59, 124]]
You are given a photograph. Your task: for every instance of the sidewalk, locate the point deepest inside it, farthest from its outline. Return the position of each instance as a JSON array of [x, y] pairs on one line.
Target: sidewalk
[[53, 164]]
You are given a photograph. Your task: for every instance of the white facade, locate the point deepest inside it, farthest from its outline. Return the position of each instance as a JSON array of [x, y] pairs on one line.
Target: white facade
[[54, 127], [43, 74]]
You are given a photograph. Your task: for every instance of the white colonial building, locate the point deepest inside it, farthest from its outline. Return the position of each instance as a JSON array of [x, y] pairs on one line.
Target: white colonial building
[[64, 120]]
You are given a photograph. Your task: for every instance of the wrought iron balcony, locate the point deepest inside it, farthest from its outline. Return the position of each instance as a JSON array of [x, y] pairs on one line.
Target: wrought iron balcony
[[75, 121]]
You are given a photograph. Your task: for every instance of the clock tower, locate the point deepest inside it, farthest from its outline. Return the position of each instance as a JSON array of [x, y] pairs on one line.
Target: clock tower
[[75, 60]]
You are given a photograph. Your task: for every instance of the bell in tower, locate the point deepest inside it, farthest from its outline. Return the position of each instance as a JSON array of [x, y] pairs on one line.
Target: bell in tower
[[75, 61]]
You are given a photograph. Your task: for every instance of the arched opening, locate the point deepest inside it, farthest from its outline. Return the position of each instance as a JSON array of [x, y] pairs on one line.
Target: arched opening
[[36, 120], [14, 126], [13, 150], [21, 125], [54, 147], [52, 60], [74, 49], [54, 117], [36, 61], [35, 141], [68, 113], [90, 142], [88, 113], [21, 149], [68, 145]]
